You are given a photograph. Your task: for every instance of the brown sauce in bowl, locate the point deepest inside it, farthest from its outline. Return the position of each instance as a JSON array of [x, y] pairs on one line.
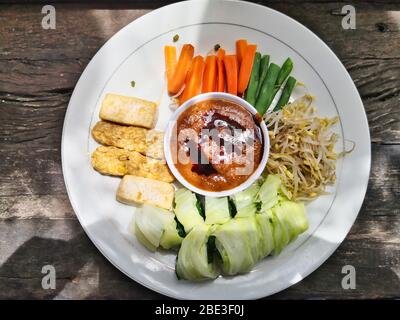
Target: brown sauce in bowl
[[218, 145]]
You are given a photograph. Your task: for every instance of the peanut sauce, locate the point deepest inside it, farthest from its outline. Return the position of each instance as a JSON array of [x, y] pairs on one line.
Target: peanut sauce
[[219, 145]]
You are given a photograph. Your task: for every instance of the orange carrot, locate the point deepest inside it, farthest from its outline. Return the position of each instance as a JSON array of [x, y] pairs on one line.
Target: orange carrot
[[240, 49], [170, 62], [221, 70], [181, 70], [221, 53], [245, 67], [231, 67], [193, 81], [210, 74]]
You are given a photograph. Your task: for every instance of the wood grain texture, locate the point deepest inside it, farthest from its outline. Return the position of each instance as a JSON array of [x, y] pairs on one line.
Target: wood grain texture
[[51, 62], [38, 71], [81, 271], [26, 194], [372, 247]]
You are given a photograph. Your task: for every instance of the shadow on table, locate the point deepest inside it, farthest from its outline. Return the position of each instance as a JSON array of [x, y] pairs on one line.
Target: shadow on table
[[81, 272]]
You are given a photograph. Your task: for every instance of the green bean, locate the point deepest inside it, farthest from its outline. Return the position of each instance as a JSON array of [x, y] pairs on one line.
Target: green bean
[[287, 67], [286, 92], [254, 79], [267, 89], [283, 74], [263, 72]]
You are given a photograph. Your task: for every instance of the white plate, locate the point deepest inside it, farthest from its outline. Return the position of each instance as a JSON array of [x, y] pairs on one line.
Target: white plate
[[136, 53]]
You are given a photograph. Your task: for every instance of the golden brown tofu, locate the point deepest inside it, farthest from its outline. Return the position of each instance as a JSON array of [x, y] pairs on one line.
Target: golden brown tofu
[[147, 142], [129, 110], [133, 189], [139, 165], [119, 162], [110, 160]]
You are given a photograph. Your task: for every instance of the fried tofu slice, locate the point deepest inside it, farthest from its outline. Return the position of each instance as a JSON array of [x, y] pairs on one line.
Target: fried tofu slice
[[147, 142], [139, 190], [119, 162], [129, 110], [139, 165], [110, 160]]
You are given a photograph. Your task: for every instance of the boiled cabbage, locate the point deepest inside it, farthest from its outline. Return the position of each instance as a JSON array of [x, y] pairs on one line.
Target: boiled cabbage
[[217, 210], [193, 261], [156, 227], [264, 222], [268, 193], [288, 220], [238, 243], [245, 201], [293, 216], [186, 209]]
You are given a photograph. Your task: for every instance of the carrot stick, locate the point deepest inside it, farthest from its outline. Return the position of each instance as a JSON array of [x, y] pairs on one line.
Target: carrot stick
[[240, 49], [221, 70], [210, 75], [170, 62], [231, 67], [193, 81], [181, 70], [245, 67], [221, 53]]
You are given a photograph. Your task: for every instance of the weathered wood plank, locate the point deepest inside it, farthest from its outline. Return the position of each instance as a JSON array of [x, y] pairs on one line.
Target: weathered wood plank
[[378, 82], [82, 272], [368, 40], [372, 247], [80, 31], [38, 71], [24, 115], [29, 119], [30, 136], [375, 278], [27, 77], [153, 4], [52, 61], [53, 206], [30, 178], [79, 35], [383, 190]]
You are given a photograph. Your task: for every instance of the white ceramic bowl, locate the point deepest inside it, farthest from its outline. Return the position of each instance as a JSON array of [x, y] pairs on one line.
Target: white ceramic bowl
[[170, 130]]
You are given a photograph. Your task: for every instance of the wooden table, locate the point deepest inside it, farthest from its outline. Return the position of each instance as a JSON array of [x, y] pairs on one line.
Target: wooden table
[[38, 71]]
